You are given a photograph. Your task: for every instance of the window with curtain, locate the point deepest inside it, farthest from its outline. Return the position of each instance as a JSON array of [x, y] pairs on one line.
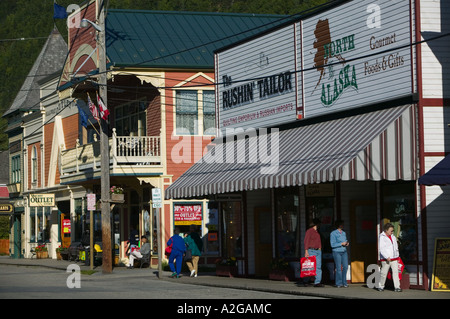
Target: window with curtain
[[186, 112], [209, 113]]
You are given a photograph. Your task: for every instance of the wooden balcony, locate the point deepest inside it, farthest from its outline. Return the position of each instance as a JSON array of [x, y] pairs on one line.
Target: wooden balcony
[[127, 154]]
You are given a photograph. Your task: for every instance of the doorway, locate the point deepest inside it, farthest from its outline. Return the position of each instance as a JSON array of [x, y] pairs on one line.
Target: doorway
[[363, 241], [263, 241]]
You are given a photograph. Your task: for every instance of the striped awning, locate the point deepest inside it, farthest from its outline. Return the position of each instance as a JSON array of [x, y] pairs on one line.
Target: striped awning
[[379, 145]]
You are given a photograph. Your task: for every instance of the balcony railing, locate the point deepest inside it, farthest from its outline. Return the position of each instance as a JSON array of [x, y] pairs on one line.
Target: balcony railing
[[124, 150]]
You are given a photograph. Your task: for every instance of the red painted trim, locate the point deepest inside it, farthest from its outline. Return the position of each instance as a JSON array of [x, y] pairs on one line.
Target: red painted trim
[[436, 102]]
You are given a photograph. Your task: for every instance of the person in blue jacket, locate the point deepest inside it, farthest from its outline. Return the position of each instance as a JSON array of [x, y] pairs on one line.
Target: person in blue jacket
[[178, 249], [339, 244]]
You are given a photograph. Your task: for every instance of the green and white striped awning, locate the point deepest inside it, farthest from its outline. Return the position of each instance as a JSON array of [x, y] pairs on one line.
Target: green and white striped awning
[[379, 145]]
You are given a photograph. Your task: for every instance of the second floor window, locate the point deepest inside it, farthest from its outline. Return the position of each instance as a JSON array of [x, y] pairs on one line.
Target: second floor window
[[15, 169], [34, 165], [130, 119], [195, 112]]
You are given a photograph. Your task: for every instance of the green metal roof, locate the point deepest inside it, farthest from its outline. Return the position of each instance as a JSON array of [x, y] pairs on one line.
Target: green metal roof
[[173, 39]]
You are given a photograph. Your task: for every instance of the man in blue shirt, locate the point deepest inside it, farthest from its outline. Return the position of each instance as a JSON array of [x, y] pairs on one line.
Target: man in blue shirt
[[339, 243], [178, 249]]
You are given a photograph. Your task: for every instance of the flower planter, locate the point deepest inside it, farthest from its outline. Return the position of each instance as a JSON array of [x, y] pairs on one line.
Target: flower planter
[[282, 274], [226, 271], [404, 282], [42, 254], [117, 197]]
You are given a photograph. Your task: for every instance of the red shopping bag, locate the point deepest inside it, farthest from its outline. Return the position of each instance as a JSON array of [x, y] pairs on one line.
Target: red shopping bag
[[307, 266], [401, 266]]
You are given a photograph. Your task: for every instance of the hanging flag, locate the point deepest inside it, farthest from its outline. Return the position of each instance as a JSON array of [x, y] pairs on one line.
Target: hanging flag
[[83, 116], [93, 109], [59, 12], [104, 112]]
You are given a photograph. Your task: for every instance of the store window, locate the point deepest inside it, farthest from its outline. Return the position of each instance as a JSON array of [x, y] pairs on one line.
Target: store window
[[398, 208], [320, 204], [40, 223], [231, 229], [187, 214], [287, 222], [130, 118]]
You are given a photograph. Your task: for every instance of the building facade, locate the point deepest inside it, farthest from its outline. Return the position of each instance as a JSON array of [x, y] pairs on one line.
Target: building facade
[[334, 115]]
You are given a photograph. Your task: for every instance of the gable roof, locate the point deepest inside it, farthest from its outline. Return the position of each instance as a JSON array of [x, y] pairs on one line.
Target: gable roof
[[50, 60], [173, 39]]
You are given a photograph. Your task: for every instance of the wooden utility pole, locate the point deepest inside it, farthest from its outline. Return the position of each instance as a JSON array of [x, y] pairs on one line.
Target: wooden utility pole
[[104, 143]]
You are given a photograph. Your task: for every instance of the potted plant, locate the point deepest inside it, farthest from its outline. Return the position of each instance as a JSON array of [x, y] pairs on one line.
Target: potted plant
[[41, 251], [227, 267], [116, 194], [61, 252], [280, 270]]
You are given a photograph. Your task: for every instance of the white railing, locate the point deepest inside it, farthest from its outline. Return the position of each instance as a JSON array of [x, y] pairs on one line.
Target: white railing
[[124, 150]]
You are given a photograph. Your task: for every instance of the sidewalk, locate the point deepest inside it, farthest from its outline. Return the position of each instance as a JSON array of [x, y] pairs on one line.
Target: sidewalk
[[355, 291]]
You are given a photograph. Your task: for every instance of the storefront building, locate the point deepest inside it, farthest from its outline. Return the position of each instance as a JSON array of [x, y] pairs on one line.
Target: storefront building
[[161, 104], [331, 116]]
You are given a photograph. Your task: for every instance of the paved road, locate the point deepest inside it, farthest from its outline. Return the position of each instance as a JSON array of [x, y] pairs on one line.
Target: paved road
[[36, 282]]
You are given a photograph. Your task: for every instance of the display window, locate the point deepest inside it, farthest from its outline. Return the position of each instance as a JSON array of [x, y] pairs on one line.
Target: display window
[[287, 222], [398, 208]]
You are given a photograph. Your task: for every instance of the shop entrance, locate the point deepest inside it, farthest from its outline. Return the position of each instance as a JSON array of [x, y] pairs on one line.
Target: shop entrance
[[263, 241], [363, 222]]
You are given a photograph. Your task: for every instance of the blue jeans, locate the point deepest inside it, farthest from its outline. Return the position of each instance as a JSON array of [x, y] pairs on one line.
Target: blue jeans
[[340, 259], [178, 256], [318, 254]]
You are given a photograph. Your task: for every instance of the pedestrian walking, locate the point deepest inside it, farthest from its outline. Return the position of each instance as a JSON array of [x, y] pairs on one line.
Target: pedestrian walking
[[194, 244], [313, 247], [339, 244], [178, 249], [389, 256]]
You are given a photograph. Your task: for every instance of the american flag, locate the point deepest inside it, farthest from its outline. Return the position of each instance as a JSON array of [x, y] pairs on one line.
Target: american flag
[[93, 109]]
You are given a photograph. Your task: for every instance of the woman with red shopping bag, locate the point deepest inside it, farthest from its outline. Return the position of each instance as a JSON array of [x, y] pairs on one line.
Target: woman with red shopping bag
[[313, 247], [389, 256]]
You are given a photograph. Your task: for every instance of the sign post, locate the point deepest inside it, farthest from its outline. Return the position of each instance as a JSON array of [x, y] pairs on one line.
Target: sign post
[[157, 203], [91, 208]]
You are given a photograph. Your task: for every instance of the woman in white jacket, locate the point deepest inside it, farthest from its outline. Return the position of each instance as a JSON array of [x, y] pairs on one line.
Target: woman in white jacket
[[388, 252]]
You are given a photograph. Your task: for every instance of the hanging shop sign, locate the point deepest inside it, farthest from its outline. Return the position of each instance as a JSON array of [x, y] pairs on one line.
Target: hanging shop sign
[[6, 209], [258, 82], [187, 214], [42, 200], [356, 54]]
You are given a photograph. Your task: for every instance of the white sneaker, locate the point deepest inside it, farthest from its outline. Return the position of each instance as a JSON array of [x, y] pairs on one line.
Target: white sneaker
[[192, 273]]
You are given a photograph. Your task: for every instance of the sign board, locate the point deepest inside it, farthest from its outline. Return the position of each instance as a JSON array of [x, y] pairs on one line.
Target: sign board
[[6, 209], [156, 198], [187, 214], [257, 82], [356, 54], [67, 226], [42, 200], [90, 201], [440, 280]]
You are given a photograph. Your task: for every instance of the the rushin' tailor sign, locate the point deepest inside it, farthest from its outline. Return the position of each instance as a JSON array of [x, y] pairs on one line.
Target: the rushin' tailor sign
[[352, 55], [187, 214]]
